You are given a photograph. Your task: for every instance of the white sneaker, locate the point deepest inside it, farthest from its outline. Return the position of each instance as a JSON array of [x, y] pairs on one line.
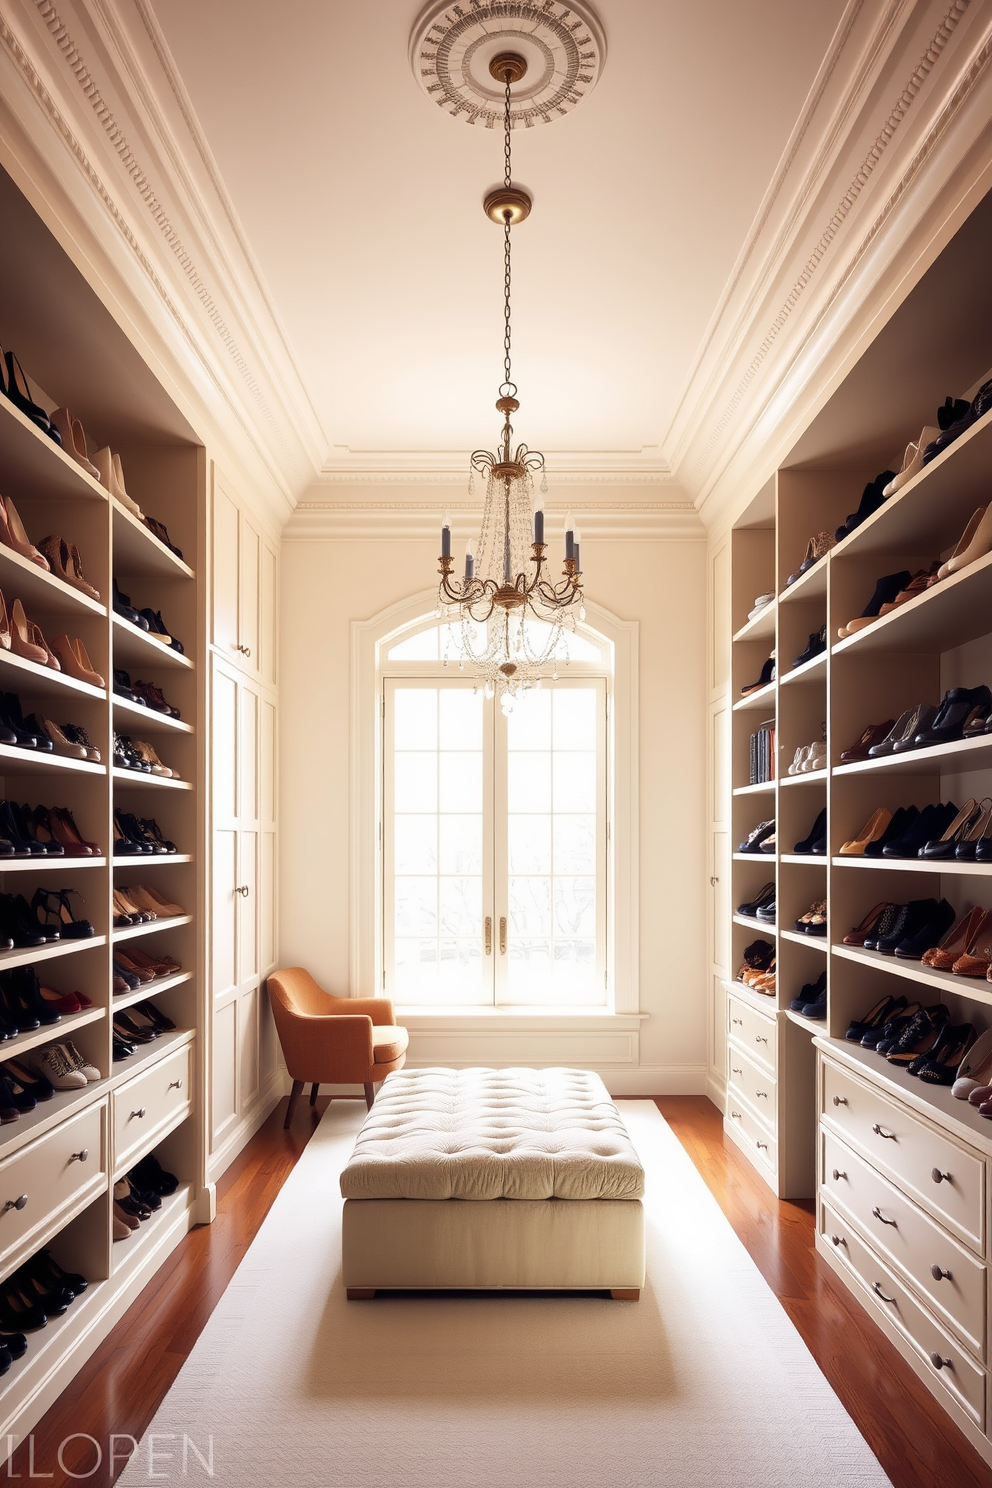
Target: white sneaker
[[761, 603], [55, 1064], [81, 1064], [802, 754], [816, 759]]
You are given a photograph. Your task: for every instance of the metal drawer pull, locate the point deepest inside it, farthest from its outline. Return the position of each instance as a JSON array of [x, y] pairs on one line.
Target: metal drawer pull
[[736, 1115], [837, 1240], [939, 1177], [840, 1100], [879, 1215], [939, 1274], [80, 1156], [876, 1287], [14, 1203], [175, 1084], [242, 889], [735, 1071], [838, 1174], [939, 1363], [245, 650], [738, 1021], [759, 1038], [761, 1145], [139, 1112], [762, 1093], [889, 1137]]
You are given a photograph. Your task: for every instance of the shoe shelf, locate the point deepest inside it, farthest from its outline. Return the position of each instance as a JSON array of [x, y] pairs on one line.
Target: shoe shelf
[[175, 1208], [768, 927], [138, 553], [977, 989], [765, 788], [16, 761], [812, 1025], [171, 922], [25, 955], [145, 1055], [142, 780], [941, 759], [818, 942], [34, 465], [812, 585], [138, 648], [19, 675], [150, 719], [764, 1001], [762, 626], [124, 1000], [814, 670], [916, 865], [933, 1101], [804, 777], [757, 857], [147, 859], [759, 699], [46, 1347], [50, 1033], [47, 864], [48, 1114], [42, 593], [952, 612], [817, 859]]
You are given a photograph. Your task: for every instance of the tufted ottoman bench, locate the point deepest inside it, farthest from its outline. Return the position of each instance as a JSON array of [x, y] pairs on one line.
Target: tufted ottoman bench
[[484, 1178]]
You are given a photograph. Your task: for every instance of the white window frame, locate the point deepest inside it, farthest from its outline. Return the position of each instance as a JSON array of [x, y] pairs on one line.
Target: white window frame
[[370, 643]]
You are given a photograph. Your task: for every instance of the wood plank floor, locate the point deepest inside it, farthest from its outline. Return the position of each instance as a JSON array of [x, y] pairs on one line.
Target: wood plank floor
[[119, 1389]]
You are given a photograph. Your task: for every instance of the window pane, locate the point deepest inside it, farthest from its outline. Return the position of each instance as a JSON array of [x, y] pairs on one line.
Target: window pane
[[528, 780], [529, 844], [416, 906], [461, 780], [460, 906], [459, 719], [460, 844], [575, 844], [420, 647], [415, 844], [575, 906], [575, 717], [415, 782], [529, 725], [461, 975], [575, 781], [529, 904], [416, 718]]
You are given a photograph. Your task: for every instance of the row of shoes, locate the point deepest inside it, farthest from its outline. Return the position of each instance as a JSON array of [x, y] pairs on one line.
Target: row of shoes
[[35, 1292], [42, 734], [22, 637], [139, 1194], [134, 968], [939, 833], [963, 713], [758, 969], [928, 930], [147, 620], [140, 905], [52, 554], [47, 919], [812, 1000], [26, 1005], [144, 693], [136, 754], [67, 432], [810, 757], [922, 1041], [42, 831], [138, 836], [38, 1075], [763, 838], [141, 1023], [763, 908]]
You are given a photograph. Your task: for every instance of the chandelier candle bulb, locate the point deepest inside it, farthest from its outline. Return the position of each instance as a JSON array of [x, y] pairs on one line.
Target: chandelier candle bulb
[[569, 536], [539, 525], [446, 536], [469, 561]]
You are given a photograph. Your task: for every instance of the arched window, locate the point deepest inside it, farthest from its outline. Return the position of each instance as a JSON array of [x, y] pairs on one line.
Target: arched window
[[494, 866]]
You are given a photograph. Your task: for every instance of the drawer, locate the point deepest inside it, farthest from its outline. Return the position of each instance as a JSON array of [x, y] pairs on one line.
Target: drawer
[[903, 1234], [754, 1032], [947, 1178], [751, 1133], [59, 1173], [948, 1368], [757, 1086], [150, 1105]]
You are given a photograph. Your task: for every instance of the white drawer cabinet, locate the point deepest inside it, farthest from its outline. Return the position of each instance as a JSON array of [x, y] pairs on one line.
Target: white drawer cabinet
[[149, 1106], [753, 1133], [753, 1031], [49, 1180]]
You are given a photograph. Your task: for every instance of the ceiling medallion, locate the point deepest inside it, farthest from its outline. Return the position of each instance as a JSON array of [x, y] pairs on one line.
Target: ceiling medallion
[[452, 48]]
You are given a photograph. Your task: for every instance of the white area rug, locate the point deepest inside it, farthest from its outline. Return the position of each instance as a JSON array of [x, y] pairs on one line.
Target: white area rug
[[704, 1383]]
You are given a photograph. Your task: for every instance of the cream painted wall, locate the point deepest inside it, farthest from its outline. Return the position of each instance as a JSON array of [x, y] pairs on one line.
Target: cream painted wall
[[326, 583]]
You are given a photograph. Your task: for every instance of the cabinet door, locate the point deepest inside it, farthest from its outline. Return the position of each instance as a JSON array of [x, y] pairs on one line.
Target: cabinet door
[[269, 638], [249, 587], [225, 709], [225, 570]]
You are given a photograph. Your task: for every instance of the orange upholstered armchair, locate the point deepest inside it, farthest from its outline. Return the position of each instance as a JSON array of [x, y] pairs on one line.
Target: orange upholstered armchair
[[330, 1040]]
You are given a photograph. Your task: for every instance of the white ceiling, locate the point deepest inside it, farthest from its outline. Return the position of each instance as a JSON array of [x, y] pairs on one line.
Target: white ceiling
[[362, 204]]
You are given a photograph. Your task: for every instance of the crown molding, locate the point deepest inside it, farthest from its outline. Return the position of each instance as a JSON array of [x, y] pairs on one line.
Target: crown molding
[[329, 521]]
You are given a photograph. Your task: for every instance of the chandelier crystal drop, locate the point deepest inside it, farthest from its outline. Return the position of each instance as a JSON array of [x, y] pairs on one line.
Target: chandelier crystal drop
[[508, 618]]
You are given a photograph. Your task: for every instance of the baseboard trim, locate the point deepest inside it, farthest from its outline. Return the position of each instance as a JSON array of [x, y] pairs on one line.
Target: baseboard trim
[[716, 1089]]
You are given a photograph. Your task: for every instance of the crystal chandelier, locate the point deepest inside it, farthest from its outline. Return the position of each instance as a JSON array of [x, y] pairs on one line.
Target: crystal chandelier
[[506, 616]]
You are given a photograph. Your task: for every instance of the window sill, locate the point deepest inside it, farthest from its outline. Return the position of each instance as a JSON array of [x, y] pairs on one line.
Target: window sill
[[503, 1019]]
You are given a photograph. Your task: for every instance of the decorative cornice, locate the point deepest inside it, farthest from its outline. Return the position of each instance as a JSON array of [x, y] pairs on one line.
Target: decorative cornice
[[563, 475], [326, 521]]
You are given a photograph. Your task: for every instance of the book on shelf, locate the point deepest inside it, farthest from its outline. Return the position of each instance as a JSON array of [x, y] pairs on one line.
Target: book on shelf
[[762, 753]]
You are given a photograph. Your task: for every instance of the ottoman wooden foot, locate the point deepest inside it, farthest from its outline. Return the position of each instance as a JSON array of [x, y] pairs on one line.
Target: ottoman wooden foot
[[360, 1294], [621, 1294]]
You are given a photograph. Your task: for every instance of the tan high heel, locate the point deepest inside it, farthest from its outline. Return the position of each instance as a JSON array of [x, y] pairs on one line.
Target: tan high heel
[[962, 543], [26, 639], [111, 475], [76, 662], [149, 755], [870, 832], [13, 535], [64, 563], [5, 636], [74, 440]]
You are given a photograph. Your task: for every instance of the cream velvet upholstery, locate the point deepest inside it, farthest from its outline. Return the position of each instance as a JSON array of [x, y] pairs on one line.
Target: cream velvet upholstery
[[333, 1040], [485, 1178]]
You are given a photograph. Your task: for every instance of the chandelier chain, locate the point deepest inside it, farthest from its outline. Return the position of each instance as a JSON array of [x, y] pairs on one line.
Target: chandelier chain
[[506, 237]]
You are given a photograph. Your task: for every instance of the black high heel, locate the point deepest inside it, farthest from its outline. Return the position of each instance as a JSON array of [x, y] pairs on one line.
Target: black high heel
[[19, 393], [45, 1265], [17, 1313], [816, 841], [69, 927], [13, 718]]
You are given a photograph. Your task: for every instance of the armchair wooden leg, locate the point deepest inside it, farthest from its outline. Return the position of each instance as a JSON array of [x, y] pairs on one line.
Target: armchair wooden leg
[[294, 1097], [369, 1095], [313, 1093]]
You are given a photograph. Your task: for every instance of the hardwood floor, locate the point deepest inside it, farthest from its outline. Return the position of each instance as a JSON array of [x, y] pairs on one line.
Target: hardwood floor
[[119, 1389]]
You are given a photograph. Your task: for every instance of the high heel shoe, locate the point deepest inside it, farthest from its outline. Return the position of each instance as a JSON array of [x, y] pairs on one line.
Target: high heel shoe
[[76, 734], [69, 836], [912, 462], [27, 641], [856, 935], [944, 845], [981, 543], [13, 535], [63, 560], [962, 545], [956, 942], [76, 662], [128, 838], [60, 743], [886, 590], [966, 847], [815, 842], [26, 738], [19, 394], [870, 832], [148, 898], [53, 905], [74, 440], [111, 476], [942, 1066], [975, 961]]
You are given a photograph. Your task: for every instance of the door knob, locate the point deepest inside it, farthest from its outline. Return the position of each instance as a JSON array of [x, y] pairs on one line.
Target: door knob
[[245, 650], [242, 889]]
